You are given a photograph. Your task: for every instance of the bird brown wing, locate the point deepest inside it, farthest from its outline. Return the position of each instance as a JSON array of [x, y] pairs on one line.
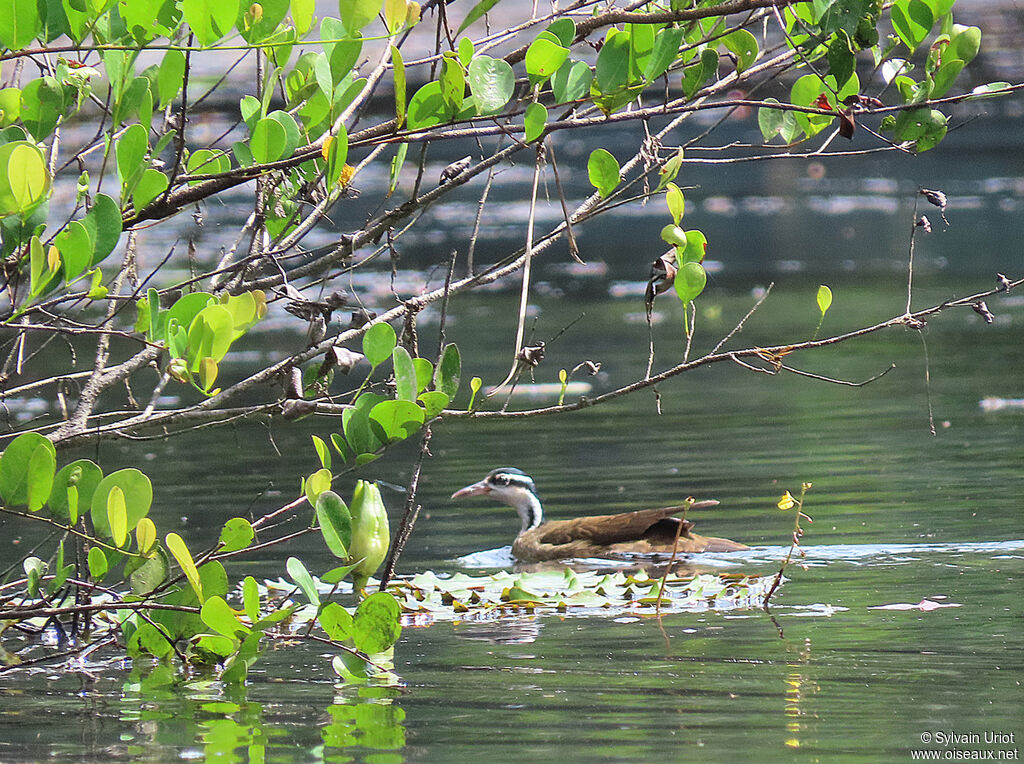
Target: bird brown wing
[[656, 525]]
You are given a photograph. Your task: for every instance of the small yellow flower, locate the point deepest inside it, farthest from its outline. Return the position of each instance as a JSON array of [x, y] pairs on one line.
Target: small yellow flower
[[787, 501], [326, 148], [806, 487]]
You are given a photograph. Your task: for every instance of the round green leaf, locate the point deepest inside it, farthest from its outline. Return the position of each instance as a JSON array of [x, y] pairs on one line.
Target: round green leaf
[[378, 343], [543, 58], [572, 81], [16, 466], [84, 475], [24, 178], [138, 497], [492, 82], [336, 621], [399, 419], [426, 107], [690, 281], [218, 615], [603, 171], [268, 142], [375, 627], [236, 534]]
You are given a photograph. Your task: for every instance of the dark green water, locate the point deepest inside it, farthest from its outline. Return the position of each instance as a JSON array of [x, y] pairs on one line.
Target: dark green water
[[900, 516]]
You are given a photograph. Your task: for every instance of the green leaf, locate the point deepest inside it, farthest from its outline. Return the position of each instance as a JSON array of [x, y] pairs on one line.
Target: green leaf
[[841, 60], [543, 58], [250, 588], [356, 14], [335, 523], [209, 335], [946, 76], [291, 131], [492, 82], [16, 466], [42, 104], [301, 576], [399, 419], [81, 475], [268, 141], [322, 451], [75, 247], [20, 22], [690, 281], [317, 483], [434, 402], [103, 221], [24, 178], [170, 76], [424, 373], [675, 201], [926, 127], [698, 73], [337, 154], [405, 374], [674, 235], [448, 371], [117, 517], [176, 546], [398, 68], [912, 20], [150, 186], [236, 534], [603, 171], [137, 491], [769, 120], [145, 534], [146, 575], [453, 84], [97, 562], [743, 45], [965, 42], [375, 626], [336, 622], [666, 49], [572, 81], [565, 30], [131, 154], [612, 70], [534, 122], [355, 424], [426, 108], [476, 12], [824, 298], [218, 615], [696, 248], [334, 575], [210, 19], [378, 343]]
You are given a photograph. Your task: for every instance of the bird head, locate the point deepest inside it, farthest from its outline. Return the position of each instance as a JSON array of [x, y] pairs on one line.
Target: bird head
[[505, 484]]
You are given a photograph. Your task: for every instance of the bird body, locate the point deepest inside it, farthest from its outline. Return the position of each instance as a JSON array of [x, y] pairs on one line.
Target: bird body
[[646, 531]]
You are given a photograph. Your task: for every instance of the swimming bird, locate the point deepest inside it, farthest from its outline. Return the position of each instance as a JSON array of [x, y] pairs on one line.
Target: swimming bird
[[646, 531]]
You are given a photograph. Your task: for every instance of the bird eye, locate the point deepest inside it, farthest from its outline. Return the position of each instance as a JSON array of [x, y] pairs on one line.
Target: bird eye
[[502, 479]]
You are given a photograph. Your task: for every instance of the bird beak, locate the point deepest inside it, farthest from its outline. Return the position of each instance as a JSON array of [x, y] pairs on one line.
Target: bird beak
[[477, 489]]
